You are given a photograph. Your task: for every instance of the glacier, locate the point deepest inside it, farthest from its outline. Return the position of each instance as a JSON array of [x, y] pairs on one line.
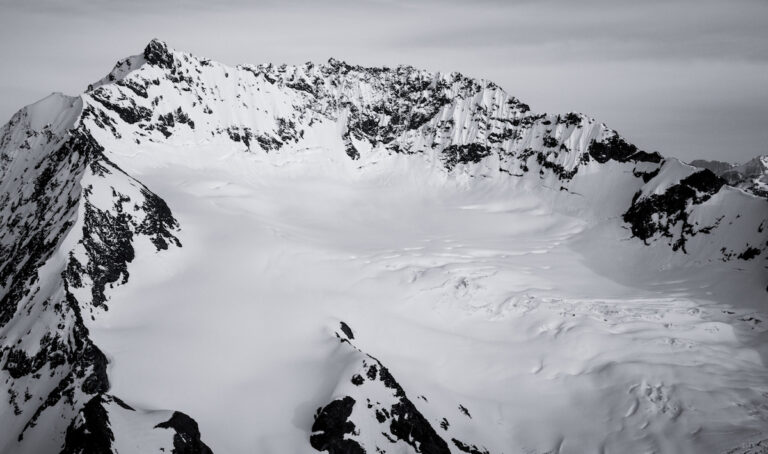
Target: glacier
[[202, 258]]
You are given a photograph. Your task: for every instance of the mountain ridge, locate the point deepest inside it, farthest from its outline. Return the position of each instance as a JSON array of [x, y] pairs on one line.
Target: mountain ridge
[[751, 176], [75, 216]]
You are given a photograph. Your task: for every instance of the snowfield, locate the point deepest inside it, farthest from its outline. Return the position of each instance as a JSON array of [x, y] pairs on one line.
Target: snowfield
[[199, 258], [471, 293]]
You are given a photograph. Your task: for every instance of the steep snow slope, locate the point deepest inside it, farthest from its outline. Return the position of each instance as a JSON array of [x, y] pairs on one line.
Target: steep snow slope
[[506, 281]]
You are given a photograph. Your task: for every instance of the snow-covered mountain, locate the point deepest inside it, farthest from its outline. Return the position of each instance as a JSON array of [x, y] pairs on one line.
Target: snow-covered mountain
[[327, 257], [752, 176]]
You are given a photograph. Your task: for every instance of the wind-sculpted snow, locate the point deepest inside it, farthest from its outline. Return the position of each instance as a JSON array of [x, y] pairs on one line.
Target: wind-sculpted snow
[[485, 253]]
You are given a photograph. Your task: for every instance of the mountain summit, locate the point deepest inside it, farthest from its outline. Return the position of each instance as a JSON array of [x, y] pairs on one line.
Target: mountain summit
[[329, 257]]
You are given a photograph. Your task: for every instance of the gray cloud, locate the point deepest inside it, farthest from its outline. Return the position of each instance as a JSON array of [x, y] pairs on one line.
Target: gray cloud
[[686, 77], [607, 30]]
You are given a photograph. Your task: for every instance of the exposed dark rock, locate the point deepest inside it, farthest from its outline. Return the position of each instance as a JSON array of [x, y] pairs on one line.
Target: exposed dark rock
[[351, 150], [108, 237], [409, 425], [166, 123], [34, 243], [90, 432], [349, 147], [470, 449], [371, 372], [183, 118], [463, 154], [268, 143], [616, 149], [302, 85], [186, 440], [286, 130], [158, 222], [243, 134], [125, 108], [571, 119], [406, 423], [108, 241], [53, 351], [646, 176], [705, 182], [85, 364], [157, 53], [101, 119], [658, 214], [347, 330], [557, 169], [505, 135], [77, 369], [331, 426], [549, 142], [137, 87], [96, 381], [749, 253]]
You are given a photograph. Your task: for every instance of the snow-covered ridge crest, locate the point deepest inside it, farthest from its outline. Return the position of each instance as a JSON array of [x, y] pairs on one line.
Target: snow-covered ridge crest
[[71, 222], [465, 127], [75, 215]]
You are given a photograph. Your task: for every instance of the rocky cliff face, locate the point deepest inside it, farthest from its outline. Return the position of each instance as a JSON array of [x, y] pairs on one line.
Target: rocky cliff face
[[72, 220]]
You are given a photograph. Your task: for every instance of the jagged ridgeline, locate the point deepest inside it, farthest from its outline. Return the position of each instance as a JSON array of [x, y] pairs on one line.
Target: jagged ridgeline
[[71, 220]]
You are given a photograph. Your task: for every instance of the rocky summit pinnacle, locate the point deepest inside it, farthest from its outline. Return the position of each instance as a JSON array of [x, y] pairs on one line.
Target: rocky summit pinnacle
[[157, 53]]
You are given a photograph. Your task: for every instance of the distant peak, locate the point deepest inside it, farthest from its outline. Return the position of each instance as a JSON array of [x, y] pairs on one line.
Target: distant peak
[[336, 63], [158, 53]]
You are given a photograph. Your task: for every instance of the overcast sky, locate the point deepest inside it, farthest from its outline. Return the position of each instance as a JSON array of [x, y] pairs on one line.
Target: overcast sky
[[688, 78]]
